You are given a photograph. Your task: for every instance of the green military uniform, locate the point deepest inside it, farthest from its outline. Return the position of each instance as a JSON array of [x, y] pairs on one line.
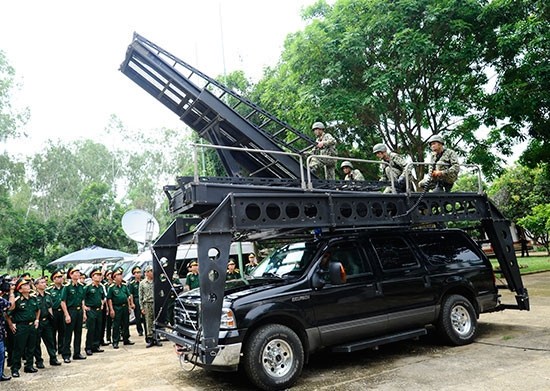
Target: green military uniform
[[192, 280], [24, 315], [133, 286], [146, 302], [72, 295], [93, 300], [119, 294], [45, 329], [234, 275], [396, 168], [58, 320], [249, 268]]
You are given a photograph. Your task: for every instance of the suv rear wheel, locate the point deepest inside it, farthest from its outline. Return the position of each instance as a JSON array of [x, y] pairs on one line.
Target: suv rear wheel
[[458, 320], [274, 357]]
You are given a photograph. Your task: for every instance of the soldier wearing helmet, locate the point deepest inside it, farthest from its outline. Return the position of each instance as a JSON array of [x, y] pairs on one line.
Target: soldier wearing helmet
[[395, 168], [325, 144], [444, 168], [351, 173]]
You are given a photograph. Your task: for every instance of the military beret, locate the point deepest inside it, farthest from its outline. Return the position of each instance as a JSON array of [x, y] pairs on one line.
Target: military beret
[[72, 270], [21, 282], [136, 269]]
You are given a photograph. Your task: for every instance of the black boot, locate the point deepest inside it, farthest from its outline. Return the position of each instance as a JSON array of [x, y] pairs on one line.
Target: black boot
[[148, 342]]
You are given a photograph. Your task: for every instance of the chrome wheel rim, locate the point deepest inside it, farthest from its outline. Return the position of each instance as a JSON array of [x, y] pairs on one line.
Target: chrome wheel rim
[[277, 358], [461, 320]]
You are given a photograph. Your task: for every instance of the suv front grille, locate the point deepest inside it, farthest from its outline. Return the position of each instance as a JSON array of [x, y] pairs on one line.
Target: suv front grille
[[186, 315]]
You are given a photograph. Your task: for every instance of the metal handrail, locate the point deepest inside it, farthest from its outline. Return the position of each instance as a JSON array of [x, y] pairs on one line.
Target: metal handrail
[[409, 166], [241, 149]]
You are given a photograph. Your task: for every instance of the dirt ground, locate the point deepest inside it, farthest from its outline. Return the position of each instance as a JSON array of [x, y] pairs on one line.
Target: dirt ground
[[512, 351]]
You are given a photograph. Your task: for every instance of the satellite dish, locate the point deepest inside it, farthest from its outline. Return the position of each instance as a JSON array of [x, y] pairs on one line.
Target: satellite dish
[[140, 226]]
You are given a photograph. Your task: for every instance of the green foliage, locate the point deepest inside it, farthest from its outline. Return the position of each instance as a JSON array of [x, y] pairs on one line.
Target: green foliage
[[10, 120], [519, 51], [537, 224]]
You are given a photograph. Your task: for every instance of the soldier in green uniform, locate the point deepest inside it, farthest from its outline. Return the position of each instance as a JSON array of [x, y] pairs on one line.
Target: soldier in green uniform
[[72, 301], [396, 168], [106, 320], [134, 290], [192, 278], [232, 273], [146, 302], [23, 321], [58, 321], [251, 265], [45, 327], [94, 300], [120, 302]]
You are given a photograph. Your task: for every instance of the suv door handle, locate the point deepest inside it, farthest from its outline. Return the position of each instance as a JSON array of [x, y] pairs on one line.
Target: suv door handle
[[427, 281]]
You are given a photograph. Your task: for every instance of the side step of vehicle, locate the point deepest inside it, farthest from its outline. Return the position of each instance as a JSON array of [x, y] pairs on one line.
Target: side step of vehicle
[[374, 342]]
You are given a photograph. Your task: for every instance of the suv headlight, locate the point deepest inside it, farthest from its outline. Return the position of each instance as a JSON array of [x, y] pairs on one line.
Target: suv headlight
[[228, 319]]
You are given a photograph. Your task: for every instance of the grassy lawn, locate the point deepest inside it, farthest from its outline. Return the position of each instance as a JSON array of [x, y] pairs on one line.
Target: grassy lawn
[[537, 262]]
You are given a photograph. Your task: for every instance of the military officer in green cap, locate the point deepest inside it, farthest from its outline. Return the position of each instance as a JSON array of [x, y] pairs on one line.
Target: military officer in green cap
[[23, 320], [58, 321], [232, 272], [134, 290], [45, 327], [120, 302], [94, 300], [192, 278], [72, 301]]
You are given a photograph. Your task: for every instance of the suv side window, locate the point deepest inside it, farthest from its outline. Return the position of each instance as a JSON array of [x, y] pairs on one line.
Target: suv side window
[[393, 253], [444, 248], [349, 254]]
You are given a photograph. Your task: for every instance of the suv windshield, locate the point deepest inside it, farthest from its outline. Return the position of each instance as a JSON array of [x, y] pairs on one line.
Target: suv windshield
[[291, 259]]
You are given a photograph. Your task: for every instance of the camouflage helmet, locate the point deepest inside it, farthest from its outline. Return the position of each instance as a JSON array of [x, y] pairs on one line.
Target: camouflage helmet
[[346, 163], [379, 148], [318, 125], [436, 138]]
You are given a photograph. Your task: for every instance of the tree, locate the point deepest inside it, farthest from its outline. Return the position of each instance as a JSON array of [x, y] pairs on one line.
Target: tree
[[537, 224], [519, 51], [395, 72], [10, 120], [520, 189]]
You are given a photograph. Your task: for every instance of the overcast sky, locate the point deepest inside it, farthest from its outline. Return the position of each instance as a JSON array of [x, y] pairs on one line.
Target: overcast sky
[[66, 54]]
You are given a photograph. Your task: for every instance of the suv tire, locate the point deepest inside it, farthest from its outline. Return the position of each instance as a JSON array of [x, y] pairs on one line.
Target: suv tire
[[274, 357], [457, 321]]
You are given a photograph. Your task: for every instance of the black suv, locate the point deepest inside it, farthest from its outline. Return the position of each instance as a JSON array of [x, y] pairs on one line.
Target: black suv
[[347, 293]]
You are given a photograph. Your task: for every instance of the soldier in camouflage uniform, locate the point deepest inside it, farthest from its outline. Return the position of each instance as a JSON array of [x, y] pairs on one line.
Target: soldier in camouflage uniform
[[94, 301], [45, 327], [133, 286], [325, 144], [444, 168], [396, 168], [58, 321], [146, 302]]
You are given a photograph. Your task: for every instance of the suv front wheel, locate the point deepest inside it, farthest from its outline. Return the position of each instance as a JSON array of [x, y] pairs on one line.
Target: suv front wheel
[[458, 320], [273, 357]]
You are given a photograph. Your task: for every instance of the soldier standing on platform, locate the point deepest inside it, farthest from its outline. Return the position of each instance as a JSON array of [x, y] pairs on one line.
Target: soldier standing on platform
[[94, 301], [120, 302], [134, 290], [23, 322], [58, 321], [325, 144], [192, 278], [45, 327], [72, 302]]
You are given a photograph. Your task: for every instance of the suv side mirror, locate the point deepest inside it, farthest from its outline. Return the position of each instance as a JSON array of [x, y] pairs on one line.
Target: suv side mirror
[[335, 274]]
